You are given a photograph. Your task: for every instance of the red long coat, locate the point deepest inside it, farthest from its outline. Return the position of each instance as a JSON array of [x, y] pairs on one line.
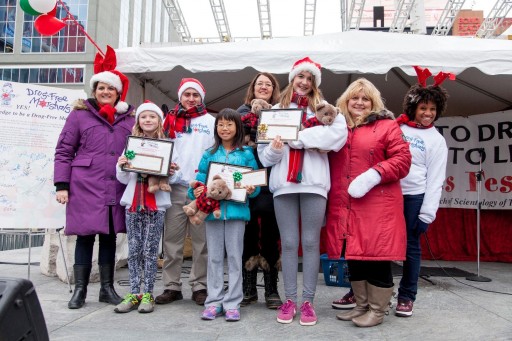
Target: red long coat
[[372, 226]]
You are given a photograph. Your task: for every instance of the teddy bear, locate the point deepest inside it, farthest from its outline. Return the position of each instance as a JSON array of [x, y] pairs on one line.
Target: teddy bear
[[156, 183], [250, 120], [209, 201], [325, 114]]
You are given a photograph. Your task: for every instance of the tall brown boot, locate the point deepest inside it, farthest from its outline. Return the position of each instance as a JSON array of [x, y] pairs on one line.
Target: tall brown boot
[[378, 300], [360, 293]]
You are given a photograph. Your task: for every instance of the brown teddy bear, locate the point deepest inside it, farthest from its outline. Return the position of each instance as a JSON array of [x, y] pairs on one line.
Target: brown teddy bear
[[209, 201], [325, 114], [156, 183], [250, 120]]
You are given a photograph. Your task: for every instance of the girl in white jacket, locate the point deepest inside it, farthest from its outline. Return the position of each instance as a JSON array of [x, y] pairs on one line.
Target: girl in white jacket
[[300, 182], [145, 212]]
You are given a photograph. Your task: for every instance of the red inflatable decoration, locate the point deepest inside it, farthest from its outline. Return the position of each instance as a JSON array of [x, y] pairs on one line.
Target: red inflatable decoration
[[48, 24]]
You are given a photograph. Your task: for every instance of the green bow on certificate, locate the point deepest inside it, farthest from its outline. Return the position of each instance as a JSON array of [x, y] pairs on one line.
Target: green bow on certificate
[[130, 154]]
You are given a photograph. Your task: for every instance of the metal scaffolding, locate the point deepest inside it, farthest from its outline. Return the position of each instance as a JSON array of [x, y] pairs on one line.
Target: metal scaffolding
[[265, 22], [221, 20], [494, 20], [177, 20], [309, 17], [447, 18], [355, 14], [402, 14]]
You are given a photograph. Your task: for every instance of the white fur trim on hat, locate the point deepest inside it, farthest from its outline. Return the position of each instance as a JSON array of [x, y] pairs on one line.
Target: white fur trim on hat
[[306, 64], [109, 78], [149, 106], [187, 83]]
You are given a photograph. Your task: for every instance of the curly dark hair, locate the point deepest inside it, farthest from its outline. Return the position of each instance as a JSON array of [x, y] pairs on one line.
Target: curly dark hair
[[418, 94]]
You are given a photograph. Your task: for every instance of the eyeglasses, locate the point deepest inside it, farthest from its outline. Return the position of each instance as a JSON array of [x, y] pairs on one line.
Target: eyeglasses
[[268, 85], [228, 126]]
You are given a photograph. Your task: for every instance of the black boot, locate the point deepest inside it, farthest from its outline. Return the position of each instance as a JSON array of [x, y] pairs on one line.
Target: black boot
[[82, 273], [272, 299], [249, 278], [107, 292]]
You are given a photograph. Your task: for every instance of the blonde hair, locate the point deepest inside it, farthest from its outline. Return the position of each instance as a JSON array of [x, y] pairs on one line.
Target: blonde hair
[[369, 90], [315, 97], [158, 134]]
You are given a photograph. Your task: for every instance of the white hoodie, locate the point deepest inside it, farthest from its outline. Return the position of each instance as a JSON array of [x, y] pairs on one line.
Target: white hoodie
[[315, 170]]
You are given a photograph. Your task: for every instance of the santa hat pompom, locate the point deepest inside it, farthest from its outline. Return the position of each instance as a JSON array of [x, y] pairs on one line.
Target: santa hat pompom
[[122, 107], [193, 83], [306, 64]]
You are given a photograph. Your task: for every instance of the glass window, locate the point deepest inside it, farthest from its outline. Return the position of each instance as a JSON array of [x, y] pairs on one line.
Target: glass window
[[70, 39], [50, 75], [7, 25]]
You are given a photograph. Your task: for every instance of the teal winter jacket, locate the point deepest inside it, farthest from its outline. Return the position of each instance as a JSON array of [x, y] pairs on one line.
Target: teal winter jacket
[[230, 210]]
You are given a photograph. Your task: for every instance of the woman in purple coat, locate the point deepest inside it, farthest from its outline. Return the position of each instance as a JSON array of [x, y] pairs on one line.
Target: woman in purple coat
[[89, 145]]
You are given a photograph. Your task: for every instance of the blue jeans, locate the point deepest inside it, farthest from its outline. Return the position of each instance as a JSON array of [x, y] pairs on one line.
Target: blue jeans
[[411, 267]]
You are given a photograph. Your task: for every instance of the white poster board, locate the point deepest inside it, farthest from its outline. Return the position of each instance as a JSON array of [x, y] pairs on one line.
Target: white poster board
[[467, 137], [32, 118]]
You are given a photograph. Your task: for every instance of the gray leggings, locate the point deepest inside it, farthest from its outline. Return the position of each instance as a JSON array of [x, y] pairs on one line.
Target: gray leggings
[[311, 208]]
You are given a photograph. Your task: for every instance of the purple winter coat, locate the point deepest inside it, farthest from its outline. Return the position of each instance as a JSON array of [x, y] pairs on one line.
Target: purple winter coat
[[85, 158]]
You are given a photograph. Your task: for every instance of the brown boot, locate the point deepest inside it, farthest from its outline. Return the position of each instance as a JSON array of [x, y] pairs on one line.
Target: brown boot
[[378, 299], [360, 293]]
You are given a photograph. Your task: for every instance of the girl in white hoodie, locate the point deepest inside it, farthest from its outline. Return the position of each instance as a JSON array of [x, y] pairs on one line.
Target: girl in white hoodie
[[300, 182]]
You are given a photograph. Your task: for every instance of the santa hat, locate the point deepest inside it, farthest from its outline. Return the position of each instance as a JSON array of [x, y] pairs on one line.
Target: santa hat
[[149, 106], [118, 81], [187, 83], [306, 64]]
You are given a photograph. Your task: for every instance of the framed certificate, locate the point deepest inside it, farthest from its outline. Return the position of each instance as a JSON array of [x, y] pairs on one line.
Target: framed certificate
[[235, 181], [149, 156], [283, 122]]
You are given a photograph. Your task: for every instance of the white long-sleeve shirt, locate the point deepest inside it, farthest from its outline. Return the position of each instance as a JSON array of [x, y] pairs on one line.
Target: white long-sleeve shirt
[[315, 169], [428, 170]]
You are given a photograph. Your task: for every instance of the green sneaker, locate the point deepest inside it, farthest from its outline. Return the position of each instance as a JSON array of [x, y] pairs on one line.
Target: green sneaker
[[129, 303], [147, 303]]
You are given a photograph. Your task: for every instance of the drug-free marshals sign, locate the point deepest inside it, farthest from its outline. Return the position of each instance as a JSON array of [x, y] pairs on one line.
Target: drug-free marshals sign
[[32, 118], [488, 135]]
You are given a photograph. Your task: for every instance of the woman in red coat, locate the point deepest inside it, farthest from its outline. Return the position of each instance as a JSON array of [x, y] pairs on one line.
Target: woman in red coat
[[365, 218]]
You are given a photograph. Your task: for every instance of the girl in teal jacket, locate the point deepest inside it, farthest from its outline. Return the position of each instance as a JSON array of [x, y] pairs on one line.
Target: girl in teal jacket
[[226, 234]]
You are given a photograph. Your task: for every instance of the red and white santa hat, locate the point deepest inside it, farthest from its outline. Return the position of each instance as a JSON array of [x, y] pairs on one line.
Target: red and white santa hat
[[118, 81], [187, 83], [149, 106], [306, 64]]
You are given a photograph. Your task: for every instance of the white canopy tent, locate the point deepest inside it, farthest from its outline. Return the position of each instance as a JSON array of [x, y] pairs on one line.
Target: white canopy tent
[[483, 66]]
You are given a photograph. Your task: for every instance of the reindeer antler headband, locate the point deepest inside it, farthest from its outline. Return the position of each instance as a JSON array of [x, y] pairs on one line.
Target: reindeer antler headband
[[424, 73]]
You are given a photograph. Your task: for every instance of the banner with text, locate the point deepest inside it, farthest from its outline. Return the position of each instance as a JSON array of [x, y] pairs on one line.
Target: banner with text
[[32, 119], [479, 139]]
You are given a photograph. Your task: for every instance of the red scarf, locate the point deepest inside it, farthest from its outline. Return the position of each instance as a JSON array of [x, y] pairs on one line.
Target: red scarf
[[297, 155], [108, 112], [404, 119], [142, 199], [179, 119]]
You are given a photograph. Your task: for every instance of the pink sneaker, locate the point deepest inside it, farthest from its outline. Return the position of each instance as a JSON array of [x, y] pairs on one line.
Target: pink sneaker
[[307, 315], [287, 312]]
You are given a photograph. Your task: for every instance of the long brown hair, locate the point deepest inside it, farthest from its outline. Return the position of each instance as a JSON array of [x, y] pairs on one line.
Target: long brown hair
[[275, 89], [314, 97]]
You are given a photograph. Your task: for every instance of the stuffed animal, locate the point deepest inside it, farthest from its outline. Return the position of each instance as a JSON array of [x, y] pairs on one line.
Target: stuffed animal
[[208, 201], [156, 183], [250, 120], [325, 114], [257, 261]]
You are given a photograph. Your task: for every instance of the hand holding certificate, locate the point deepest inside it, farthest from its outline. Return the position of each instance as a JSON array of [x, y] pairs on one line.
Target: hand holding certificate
[[238, 178], [148, 156], [282, 122]]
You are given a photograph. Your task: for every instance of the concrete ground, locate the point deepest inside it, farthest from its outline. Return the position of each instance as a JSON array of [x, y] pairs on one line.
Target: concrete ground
[[446, 309]]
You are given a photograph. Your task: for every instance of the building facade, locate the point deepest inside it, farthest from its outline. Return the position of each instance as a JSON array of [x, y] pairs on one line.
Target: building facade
[[66, 58]]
